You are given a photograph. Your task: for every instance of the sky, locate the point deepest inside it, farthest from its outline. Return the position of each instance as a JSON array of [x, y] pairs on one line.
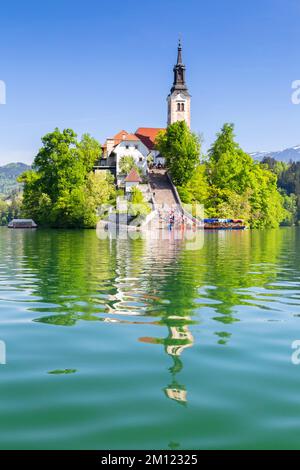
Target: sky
[[101, 66]]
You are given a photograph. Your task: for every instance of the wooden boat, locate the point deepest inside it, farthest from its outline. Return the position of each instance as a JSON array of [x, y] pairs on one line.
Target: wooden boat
[[224, 224], [22, 223]]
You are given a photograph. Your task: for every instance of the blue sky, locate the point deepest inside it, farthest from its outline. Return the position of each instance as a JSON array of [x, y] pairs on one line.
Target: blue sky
[[99, 66]]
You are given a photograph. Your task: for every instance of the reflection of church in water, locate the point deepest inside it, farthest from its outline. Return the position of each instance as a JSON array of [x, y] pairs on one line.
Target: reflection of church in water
[[179, 339], [132, 301]]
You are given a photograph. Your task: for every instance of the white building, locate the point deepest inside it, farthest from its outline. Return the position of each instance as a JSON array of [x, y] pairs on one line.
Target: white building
[[140, 146], [148, 136], [122, 145]]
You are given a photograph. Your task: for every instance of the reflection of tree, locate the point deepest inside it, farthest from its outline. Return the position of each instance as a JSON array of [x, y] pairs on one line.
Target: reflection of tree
[[232, 263], [74, 276], [223, 338], [73, 272], [85, 279]]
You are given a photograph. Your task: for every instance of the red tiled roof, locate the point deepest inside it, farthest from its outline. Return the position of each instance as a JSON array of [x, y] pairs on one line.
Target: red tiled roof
[[119, 135], [133, 177], [148, 135], [123, 135]]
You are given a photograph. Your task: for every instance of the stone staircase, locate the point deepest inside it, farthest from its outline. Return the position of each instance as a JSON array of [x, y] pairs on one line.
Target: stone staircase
[[164, 198], [162, 189], [167, 201]]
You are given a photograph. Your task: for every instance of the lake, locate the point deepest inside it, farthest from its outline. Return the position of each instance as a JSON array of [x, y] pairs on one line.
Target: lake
[[144, 344]]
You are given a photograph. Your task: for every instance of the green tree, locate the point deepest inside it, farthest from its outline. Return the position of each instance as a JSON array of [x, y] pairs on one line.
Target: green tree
[[138, 205], [127, 163], [90, 151], [229, 166], [181, 149], [289, 184], [10, 208], [61, 190], [231, 184], [242, 184], [276, 167], [196, 189], [290, 204], [3, 213]]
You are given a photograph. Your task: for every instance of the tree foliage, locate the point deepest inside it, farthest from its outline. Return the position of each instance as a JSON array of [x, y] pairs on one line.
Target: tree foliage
[[127, 163], [10, 208], [61, 190], [196, 189], [289, 185], [138, 205], [231, 184], [181, 149]]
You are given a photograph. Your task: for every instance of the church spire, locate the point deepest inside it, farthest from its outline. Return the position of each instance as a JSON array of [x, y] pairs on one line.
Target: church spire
[[179, 56], [179, 99], [179, 72]]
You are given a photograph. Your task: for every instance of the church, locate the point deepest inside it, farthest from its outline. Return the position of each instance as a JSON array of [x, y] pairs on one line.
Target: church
[[140, 145]]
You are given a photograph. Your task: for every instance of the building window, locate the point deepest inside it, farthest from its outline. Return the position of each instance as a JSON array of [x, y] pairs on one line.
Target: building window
[[127, 147], [141, 159], [136, 147], [178, 106], [182, 106]]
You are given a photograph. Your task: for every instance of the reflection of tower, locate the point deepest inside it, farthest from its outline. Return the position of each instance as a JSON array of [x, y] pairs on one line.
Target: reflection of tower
[[136, 295], [179, 339], [176, 392]]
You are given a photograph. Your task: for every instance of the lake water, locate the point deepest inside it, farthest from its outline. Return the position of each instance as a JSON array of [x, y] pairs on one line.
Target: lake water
[[144, 344]]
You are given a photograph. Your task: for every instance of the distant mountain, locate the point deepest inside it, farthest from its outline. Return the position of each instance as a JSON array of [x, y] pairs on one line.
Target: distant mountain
[[8, 177], [282, 155]]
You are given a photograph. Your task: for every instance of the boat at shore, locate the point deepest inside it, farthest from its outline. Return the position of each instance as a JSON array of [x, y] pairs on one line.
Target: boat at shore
[[22, 223], [224, 224]]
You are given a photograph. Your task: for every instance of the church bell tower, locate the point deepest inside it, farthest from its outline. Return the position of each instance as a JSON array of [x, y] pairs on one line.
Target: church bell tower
[[179, 99]]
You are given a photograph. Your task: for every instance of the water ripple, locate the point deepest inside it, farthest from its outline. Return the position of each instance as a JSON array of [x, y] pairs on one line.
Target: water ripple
[[140, 344]]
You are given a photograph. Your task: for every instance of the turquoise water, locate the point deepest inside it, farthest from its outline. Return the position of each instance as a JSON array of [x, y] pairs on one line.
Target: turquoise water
[[139, 344]]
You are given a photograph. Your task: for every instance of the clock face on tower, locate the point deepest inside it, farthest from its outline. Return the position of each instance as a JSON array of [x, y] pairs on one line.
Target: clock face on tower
[[180, 97]]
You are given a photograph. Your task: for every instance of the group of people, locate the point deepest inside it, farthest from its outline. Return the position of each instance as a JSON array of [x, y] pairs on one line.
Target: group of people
[[157, 166], [174, 219]]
